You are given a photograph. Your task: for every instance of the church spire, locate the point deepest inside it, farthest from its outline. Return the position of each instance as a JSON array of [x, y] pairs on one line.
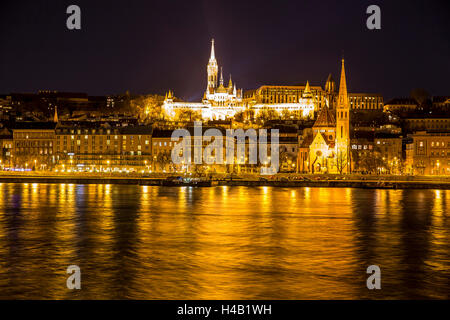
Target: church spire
[[343, 126], [55, 116], [212, 69], [230, 83], [343, 95], [213, 54], [221, 76]]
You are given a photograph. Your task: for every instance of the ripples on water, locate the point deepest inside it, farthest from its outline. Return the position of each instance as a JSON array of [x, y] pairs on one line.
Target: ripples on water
[[144, 242]]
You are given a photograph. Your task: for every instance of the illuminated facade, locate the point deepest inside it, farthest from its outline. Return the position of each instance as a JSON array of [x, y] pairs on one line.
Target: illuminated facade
[[431, 153], [300, 101], [365, 101], [222, 101], [102, 148], [219, 101], [343, 125], [326, 150], [33, 145]]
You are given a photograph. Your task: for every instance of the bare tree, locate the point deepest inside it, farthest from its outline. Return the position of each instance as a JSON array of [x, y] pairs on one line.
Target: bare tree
[[341, 160]]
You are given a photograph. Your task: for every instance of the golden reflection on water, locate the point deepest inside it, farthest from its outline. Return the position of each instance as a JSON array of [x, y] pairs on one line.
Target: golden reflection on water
[[146, 242]]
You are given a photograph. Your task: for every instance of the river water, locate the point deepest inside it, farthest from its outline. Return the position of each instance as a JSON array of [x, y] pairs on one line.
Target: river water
[[146, 242]]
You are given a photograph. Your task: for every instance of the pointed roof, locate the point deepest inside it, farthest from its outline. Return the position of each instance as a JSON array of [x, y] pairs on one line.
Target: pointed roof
[[343, 95], [307, 88], [330, 85], [307, 92], [230, 83], [322, 139], [221, 76], [325, 118], [213, 54], [55, 116]]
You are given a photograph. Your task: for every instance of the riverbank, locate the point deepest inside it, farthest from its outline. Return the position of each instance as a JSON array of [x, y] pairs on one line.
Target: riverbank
[[384, 182]]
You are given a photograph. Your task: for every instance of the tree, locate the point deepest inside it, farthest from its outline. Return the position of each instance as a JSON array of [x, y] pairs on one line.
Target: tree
[[286, 160], [420, 95], [187, 115], [239, 116], [148, 107], [286, 114], [341, 160], [371, 162], [163, 159], [265, 115]]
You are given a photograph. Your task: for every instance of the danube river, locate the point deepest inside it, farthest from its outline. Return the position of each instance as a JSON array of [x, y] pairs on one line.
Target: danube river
[[145, 242]]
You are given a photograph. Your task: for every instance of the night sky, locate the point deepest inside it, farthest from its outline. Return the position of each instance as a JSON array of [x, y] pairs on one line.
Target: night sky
[[153, 46]]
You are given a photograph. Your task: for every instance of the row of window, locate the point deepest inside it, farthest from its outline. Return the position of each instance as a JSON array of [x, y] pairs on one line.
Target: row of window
[[438, 144], [441, 154], [33, 151], [33, 135], [34, 144]]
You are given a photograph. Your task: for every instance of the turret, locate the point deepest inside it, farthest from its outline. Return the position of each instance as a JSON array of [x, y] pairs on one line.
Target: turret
[[221, 77], [330, 85], [307, 92], [212, 68]]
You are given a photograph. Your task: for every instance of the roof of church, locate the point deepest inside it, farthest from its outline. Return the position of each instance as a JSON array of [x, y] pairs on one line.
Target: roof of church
[[221, 89], [328, 141], [325, 118]]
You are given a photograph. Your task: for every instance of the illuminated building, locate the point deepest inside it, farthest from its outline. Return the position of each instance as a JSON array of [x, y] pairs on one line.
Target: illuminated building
[[300, 101], [391, 150], [400, 104], [431, 153], [100, 148], [326, 148], [322, 151], [427, 124], [442, 102], [365, 101], [6, 145], [219, 101], [362, 149], [33, 145]]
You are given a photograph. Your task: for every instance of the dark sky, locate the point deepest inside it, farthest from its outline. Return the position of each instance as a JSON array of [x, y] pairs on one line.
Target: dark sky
[[152, 46]]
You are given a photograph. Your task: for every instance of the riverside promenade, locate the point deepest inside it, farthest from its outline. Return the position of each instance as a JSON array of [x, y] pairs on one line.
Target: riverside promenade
[[279, 180]]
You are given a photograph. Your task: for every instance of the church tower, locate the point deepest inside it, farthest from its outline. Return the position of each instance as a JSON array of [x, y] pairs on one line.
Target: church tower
[[343, 125], [55, 115], [212, 69]]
